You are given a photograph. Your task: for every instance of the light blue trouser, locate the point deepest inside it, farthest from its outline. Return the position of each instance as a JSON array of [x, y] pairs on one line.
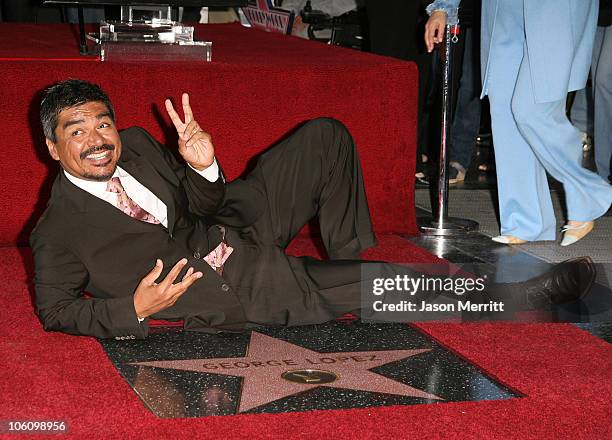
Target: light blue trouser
[[532, 138]]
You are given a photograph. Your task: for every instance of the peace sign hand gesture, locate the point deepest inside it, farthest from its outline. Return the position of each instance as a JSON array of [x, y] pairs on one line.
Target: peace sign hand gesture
[[194, 144]]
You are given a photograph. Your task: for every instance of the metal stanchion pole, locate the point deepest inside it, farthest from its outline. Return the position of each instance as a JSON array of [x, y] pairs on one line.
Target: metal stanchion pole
[[82, 39], [440, 224]]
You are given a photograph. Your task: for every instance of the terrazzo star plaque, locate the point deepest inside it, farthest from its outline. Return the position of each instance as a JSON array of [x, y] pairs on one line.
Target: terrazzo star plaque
[[335, 365], [272, 368]]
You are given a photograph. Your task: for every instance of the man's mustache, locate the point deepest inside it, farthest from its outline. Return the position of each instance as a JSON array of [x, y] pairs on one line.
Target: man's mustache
[[103, 147]]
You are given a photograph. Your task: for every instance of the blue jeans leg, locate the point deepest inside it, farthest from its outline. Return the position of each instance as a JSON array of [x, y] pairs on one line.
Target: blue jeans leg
[[602, 96], [581, 112], [466, 122]]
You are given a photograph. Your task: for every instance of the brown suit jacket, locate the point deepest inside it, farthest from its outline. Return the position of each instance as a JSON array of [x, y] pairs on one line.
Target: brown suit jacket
[[83, 244]]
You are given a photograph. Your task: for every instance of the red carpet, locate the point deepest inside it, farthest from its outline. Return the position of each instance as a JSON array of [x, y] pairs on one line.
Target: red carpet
[[563, 372], [258, 88]]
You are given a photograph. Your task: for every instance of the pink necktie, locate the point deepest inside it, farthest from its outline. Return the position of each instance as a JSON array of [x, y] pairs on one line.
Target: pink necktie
[[215, 259], [127, 205], [218, 256]]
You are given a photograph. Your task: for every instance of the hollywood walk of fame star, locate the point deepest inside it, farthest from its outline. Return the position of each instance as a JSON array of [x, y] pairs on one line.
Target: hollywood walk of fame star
[[273, 369]]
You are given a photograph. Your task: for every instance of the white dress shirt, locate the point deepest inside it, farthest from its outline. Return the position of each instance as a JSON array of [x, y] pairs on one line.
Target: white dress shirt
[[137, 191]]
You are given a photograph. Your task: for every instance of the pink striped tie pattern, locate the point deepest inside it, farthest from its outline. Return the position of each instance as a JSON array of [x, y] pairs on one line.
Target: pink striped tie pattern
[[218, 256], [215, 259], [127, 205]]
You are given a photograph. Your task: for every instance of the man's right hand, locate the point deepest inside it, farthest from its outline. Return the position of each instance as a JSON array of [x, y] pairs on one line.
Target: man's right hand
[[151, 297], [434, 29]]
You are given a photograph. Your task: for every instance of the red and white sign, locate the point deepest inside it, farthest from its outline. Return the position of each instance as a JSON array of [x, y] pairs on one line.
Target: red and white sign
[[263, 15]]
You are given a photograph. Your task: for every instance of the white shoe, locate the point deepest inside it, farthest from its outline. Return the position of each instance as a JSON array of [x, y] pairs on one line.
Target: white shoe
[[456, 173], [571, 234], [587, 142], [508, 239]]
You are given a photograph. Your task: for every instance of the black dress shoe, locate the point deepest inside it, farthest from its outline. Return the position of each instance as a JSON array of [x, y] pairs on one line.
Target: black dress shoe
[[567, 281]]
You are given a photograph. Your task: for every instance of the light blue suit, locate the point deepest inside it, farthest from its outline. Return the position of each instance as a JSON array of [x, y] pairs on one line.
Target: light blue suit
[[533, 53]]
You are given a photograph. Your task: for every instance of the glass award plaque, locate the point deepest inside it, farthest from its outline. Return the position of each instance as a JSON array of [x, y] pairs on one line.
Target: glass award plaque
[[154, 40]]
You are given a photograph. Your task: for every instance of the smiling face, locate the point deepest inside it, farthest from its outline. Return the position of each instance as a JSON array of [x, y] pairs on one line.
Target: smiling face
[[87, 143]]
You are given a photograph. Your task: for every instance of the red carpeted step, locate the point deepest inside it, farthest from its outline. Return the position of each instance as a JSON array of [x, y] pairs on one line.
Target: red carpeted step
[[259, 87]]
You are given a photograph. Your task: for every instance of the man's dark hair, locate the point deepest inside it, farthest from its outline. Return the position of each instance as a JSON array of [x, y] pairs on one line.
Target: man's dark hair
[[67, 94]]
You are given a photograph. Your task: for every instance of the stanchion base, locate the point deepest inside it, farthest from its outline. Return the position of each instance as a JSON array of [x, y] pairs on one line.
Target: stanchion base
[[451, 227]]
